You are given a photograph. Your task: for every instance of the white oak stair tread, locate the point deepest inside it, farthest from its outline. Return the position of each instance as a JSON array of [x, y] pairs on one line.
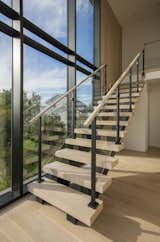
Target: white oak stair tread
[[122, 106], [84, 157], [111, 122], [70, 201], [100, 144], [126, 95], [126, 90], [134, 85], [114, 114], [122, 100], [77, 175], [100, 132]]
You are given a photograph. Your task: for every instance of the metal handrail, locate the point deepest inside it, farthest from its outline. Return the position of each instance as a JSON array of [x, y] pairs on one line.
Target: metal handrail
[[118, 82], [54, 104]]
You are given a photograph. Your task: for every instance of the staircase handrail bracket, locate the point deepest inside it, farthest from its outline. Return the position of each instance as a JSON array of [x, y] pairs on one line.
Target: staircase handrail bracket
[[111, 91]]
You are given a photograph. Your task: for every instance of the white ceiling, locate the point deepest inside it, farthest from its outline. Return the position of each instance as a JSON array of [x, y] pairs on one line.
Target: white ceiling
[[128, 11]]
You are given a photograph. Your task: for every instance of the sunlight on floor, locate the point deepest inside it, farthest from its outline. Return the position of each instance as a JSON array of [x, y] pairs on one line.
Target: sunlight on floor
[[131, 209]]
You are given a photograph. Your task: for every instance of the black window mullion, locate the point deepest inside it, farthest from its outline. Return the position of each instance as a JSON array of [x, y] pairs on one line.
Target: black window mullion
[[17, 103]]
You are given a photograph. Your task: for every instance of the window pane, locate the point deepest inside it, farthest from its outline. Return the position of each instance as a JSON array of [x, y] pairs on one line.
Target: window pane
[[44, 81], [8, 2], [5, 110], [50, 15], [85, 29]]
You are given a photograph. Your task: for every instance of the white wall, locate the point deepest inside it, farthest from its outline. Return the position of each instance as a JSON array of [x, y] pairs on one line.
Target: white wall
[[135, 35], [144, 127], [154, 113], [137, 135]]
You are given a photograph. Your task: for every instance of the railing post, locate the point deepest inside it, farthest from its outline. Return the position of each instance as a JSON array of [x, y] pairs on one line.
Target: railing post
[[105, 80], [40, 150], [74, 108], [118, 117], [143, 63], [138, 75], [93, 204], [130, 90]]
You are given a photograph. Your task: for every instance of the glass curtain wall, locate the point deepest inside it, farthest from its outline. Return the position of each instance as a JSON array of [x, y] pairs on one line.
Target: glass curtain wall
[[85, 47], [45, 80], [41, 69], [5, 110]]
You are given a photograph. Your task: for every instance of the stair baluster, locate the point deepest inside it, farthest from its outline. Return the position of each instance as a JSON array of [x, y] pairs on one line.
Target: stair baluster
[[143, 63], [130, 90], [105, 80], [138, 75], [40, 150], [118, 117], [93, 204]]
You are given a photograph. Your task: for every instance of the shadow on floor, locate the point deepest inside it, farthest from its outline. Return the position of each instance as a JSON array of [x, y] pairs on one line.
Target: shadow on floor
[[130, 203]]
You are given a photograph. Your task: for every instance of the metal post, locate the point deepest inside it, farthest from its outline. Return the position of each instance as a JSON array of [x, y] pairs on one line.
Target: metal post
[[73, 135], [105, 80], [138, 75], [118, 117], [93, 204], [71, 71], [17, 103], [40, 150], [130, 90], [143, 63]]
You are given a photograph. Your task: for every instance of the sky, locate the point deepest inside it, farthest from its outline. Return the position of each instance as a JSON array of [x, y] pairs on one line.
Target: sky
[[43, 74]]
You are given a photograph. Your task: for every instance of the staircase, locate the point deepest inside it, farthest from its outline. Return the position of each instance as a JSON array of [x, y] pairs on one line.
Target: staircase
[[74, 182]]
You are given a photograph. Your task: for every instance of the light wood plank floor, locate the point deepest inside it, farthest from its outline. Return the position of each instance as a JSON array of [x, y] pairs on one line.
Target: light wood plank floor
[[131, 213]]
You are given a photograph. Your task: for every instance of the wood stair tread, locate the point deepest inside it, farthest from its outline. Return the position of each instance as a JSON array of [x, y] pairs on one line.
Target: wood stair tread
[[114, 114], [122, 106], [123, 100], [111, 122], [100, 132], [68, 200], [126, 90], [77, 175], [125, 95], [100, 144], [84, 157]]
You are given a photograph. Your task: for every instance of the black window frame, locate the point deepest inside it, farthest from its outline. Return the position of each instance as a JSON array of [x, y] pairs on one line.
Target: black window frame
[[19, 23]]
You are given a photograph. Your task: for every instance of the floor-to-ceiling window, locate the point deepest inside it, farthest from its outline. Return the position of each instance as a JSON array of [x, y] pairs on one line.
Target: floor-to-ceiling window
[[85, 26], [33, 74], [5, 110], [45, 80], [85, 47]]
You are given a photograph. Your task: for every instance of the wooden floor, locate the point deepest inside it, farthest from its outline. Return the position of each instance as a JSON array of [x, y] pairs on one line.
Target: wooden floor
[[131, 213]]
